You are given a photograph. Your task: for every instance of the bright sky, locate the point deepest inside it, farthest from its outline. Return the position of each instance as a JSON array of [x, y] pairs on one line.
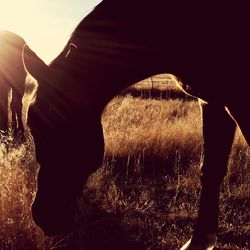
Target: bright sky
[[46, 25]]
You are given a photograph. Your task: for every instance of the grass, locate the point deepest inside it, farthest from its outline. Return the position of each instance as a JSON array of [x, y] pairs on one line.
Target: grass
[[148, 184]]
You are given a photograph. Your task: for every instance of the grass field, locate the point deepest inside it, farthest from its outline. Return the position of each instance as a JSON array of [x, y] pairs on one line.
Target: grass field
[[148, 184]]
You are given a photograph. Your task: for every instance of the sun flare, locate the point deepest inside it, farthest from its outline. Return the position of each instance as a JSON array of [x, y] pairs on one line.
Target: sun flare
[[45, 25], [11, 11]]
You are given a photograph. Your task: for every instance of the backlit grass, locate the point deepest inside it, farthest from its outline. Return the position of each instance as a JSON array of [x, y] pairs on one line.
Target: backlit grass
[[148, 184]]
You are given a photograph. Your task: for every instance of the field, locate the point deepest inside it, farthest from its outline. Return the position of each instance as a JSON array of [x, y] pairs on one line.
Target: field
[[148, 184]]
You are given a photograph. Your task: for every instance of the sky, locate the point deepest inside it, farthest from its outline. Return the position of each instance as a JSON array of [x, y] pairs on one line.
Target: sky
[[46, 25]]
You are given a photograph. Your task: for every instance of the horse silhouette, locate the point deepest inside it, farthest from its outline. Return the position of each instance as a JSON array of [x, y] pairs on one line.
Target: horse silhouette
[[120, 43], [12, 77]]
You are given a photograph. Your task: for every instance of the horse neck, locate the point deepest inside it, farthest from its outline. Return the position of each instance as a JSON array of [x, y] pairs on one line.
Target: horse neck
[[114, 50]]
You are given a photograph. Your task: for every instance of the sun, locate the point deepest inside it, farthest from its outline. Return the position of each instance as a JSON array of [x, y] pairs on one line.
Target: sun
[[45, 25], [24, 19], [38, 23], [15, 14]]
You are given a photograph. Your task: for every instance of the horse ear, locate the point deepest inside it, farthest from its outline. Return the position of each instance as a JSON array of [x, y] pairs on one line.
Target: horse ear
[[34, 65], [71, 47]]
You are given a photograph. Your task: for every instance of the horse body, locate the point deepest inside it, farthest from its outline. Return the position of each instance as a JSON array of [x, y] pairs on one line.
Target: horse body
[[118, 44], [12, 76]]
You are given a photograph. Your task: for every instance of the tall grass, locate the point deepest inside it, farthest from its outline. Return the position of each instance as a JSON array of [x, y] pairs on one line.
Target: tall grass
[[148, 184], [153, 130], [18, 171]]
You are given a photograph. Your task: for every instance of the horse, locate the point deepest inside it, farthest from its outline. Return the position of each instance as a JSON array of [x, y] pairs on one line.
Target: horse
[[120, 43], [12, 77]]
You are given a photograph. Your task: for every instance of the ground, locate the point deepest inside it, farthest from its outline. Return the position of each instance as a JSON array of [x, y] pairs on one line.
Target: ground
[[148, 185]]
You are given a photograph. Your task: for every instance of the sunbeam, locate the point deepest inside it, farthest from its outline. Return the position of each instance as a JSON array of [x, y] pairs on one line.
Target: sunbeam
[[45, 25]]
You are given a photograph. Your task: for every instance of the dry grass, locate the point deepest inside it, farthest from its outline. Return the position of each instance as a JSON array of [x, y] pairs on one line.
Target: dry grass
[[149, 183], [152, 128]]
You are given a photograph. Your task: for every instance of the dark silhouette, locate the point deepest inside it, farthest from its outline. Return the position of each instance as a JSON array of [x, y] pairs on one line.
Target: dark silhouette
[[118, 44], [12, 76]]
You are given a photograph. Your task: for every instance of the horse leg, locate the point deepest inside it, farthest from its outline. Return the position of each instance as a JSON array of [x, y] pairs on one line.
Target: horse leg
[[218, 133], [16, 107], [4, 109]]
